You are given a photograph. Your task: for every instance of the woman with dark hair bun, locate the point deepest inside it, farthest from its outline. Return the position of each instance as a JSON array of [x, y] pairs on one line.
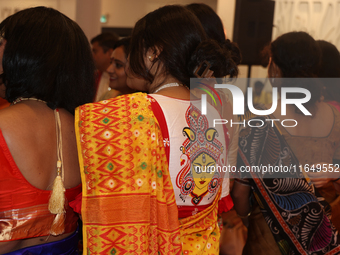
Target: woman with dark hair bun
[[214, 29], [287, 210], [149, 159], [47, 68]]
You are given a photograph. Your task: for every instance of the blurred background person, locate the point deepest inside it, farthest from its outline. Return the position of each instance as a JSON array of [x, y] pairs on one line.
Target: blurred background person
[[329, 72], [116, 70], [102, 48], [275, 202], [330, 68], [260, 96], [48, 71]]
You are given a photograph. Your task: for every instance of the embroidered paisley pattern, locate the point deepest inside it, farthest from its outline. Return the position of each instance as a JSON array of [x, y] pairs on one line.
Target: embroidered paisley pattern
[[294, 211]]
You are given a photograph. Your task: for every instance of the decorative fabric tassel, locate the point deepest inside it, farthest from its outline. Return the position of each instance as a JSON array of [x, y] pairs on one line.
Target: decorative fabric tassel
[[58, 226], [56, 204], [57, 200]]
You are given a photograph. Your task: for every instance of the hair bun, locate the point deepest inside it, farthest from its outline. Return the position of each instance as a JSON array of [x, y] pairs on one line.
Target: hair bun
[[220, 59], [234, 50]]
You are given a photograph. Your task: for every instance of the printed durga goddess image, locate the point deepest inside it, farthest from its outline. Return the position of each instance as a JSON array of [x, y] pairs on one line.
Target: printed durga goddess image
[[201, 151]]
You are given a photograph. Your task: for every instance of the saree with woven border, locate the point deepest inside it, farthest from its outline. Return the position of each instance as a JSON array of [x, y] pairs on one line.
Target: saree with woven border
[[297, 216], [128, 204]]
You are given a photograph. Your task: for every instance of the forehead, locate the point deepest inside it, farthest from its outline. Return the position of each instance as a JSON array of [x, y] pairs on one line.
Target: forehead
[[96, 46], [118, 53]]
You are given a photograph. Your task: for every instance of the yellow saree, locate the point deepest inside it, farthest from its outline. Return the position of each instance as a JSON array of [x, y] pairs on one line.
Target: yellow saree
[[128, 204]]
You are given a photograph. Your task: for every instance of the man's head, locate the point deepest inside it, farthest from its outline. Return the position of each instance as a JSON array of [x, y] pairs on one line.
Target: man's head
[[102, 47], [258, 87]]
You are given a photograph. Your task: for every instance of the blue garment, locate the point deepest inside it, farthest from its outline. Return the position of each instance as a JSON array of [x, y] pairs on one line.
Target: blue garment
[[67, 246]]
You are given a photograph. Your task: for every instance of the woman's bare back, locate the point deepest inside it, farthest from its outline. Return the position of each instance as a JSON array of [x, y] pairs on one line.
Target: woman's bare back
[[29, 130]]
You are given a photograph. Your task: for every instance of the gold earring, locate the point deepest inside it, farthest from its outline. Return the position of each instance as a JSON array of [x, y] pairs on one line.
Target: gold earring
[[152, 58]]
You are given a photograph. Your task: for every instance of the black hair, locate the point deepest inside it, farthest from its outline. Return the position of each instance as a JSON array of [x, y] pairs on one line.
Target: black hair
[[183, 45], [47, 56], [330, 60], [330, 68], [125, 42], [105, 40], [298, 55], [214, 29], [259, 84]]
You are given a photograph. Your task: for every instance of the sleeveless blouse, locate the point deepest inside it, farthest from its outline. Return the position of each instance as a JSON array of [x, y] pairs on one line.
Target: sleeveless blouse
[[24, 208]]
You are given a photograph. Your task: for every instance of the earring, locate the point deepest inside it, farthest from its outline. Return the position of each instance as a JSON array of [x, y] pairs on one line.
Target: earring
[[152, 58]]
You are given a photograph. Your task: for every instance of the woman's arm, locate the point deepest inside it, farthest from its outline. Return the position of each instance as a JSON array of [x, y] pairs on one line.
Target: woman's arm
[[320, 178], [240, 195]]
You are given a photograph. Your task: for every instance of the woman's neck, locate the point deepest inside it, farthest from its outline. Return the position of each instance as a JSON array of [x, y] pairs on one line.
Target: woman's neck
[[126, 90], [175, 88], [162, 80]]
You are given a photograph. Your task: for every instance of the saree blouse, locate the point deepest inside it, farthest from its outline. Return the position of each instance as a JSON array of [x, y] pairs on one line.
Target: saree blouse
[[24, 208]]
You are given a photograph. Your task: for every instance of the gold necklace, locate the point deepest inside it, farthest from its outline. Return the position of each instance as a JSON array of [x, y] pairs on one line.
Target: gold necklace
[[20, 99]]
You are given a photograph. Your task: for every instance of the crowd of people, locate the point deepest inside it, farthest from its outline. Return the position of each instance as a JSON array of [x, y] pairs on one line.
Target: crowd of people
[[128, 170]]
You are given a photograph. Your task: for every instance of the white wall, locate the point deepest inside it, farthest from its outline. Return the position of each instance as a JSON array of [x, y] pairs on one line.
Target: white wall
[[226, 11], [88, 16], [9, 7], [125, 13], [68, 7], [320, 18], [85, 12]]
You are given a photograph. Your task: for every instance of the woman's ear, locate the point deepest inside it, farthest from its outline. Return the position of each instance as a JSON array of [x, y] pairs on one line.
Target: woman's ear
[[152, 54], [269, 62], [273, 70], [151, 61]]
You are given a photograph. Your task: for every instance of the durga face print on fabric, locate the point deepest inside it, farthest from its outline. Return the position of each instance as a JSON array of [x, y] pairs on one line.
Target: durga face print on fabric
[[202, 152]]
